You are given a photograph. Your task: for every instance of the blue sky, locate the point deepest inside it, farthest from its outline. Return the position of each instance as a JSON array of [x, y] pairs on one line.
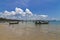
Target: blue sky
[[45, 7]]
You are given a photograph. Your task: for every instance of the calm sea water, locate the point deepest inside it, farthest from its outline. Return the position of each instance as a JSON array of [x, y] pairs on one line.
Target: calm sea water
[[53, 26], [55, 22]]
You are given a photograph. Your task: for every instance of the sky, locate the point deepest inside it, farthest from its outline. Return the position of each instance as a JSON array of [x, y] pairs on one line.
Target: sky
[[38, 7]]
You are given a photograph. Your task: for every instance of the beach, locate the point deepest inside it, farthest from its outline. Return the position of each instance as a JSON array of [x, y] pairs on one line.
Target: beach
[[29, 31]]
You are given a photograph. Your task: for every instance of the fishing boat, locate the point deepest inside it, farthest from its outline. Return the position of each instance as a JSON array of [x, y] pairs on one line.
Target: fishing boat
[[13, 22], [41, 22]]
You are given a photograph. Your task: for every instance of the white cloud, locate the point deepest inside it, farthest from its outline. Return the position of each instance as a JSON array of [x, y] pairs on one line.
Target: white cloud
[[23, 14], [18, 10], [28, 12], [13, 12], [39, 17], [20, 14], [44, 16], [7, 13]]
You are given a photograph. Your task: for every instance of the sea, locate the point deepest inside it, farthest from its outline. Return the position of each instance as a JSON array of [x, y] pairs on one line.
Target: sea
[[30, 31]]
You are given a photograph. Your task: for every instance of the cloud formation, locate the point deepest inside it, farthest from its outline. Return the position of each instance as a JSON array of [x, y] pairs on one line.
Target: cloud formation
[[20, 14], [27, 11]]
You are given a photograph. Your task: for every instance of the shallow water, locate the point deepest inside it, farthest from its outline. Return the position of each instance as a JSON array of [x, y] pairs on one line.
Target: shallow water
[[29, 31]]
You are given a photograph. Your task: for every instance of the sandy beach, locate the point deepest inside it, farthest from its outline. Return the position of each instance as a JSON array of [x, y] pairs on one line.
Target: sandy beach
[[27, 31]]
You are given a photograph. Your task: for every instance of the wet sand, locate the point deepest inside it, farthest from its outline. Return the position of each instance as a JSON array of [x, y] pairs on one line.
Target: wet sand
[[29, 31]]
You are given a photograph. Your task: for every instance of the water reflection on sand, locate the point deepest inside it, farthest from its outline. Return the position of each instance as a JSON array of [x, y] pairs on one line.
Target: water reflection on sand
[[29, 31]]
